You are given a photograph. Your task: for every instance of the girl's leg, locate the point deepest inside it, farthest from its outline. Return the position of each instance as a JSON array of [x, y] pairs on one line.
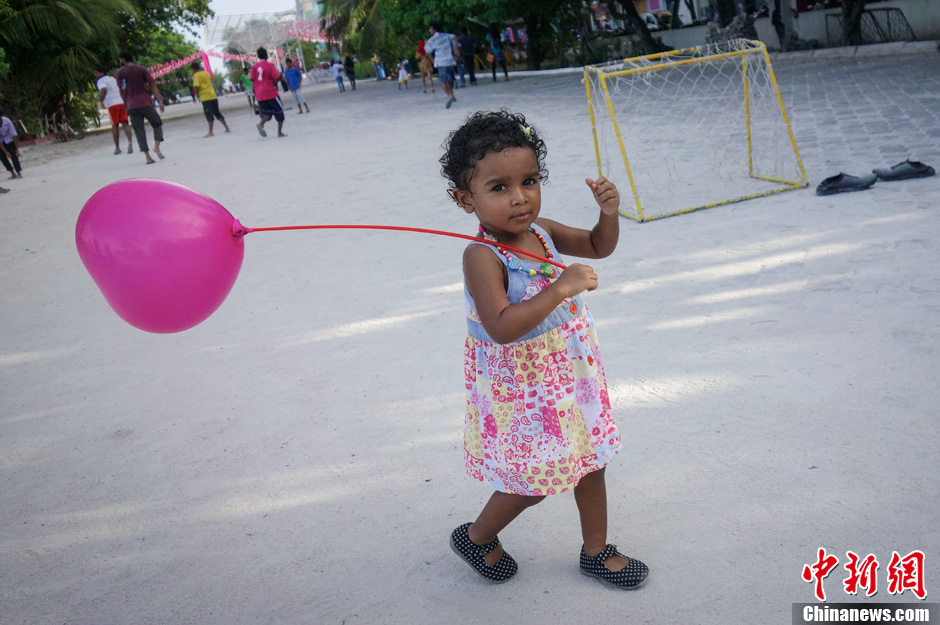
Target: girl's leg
[[499, 511], [591, 496]]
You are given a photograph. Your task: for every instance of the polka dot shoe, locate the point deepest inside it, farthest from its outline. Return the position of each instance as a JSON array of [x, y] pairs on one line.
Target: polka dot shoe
[[629, 578], [473, 554]]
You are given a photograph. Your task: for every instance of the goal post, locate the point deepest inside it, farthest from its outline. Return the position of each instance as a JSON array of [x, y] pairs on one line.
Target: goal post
[[690, 129]]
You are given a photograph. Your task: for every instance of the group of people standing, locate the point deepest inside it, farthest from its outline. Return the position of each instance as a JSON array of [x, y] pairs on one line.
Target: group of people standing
[[347, 67], [130, 94]]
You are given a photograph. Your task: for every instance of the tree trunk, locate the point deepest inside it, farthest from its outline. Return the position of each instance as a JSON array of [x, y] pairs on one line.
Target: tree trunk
[[534, 51], [627, 10], [852, 22], [726, 12], [777, 20], [674, 19]]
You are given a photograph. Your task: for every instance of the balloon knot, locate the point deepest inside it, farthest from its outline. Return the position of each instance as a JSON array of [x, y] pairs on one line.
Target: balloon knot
[[238, 230]]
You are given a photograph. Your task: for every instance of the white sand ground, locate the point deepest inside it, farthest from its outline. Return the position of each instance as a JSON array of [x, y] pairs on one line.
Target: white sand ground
[[297, 457]]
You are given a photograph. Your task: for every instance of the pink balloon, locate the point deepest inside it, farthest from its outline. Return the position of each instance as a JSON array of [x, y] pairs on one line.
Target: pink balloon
[[163, 255]]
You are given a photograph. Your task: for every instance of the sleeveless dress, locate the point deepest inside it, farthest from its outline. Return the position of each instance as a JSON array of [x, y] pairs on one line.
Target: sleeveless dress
[[538, 414]]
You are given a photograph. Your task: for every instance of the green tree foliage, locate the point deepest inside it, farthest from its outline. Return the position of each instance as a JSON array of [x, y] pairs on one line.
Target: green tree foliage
[[167, 45], [343, 19], [393, 27], [538, 16], [151, 17], [51, 47]]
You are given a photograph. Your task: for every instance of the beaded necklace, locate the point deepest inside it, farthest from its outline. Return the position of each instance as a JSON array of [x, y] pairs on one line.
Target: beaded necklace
[[545, 269]]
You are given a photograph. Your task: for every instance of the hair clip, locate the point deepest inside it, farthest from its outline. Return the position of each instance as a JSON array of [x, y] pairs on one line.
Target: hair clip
[[527, 131]]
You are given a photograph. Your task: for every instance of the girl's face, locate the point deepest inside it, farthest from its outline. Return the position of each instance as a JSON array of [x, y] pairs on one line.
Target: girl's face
[[504, 192]]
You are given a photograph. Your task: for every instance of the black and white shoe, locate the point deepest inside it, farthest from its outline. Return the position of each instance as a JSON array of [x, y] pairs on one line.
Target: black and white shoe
[[630, 578], [473, 554]]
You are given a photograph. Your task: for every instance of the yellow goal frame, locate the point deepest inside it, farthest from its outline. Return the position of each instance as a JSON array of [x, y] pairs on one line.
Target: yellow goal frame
[[664, 60]]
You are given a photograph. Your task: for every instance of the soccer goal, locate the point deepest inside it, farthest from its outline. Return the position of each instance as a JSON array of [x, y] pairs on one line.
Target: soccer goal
[[690, 129]]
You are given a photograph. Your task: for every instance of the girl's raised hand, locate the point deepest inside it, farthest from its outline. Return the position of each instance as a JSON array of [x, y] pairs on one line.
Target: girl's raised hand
[[575, 279], [605, 194]]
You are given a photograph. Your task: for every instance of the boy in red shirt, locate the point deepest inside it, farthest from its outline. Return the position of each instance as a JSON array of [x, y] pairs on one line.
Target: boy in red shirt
[[264, 77]]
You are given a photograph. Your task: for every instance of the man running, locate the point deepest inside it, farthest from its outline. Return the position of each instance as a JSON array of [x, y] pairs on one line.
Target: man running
[[264, 77], [444, 48]]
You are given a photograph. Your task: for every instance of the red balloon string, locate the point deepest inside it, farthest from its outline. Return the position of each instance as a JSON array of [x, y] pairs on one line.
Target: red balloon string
[[239, 229]]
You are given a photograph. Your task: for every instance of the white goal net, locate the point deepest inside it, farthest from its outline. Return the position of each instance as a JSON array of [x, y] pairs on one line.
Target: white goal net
[[691, 129]]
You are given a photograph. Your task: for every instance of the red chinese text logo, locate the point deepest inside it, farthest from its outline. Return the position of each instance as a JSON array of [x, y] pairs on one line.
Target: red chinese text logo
[[904, 573]]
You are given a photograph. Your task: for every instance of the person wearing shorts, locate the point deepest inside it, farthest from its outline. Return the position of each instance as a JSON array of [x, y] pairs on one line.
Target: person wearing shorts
[[444, 48], [202, 83], [264, 77], [111, 100], [294, 77]]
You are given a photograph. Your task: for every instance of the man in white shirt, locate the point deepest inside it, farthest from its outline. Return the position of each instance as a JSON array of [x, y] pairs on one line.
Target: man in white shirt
[[111, 100], [443, 46], [9, 148]]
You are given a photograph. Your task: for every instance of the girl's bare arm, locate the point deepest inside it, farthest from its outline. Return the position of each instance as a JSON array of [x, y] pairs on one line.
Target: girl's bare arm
[[506, 322]]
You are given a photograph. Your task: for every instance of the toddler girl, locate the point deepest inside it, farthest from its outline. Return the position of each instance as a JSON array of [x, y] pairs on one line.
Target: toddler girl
[[538, 417]]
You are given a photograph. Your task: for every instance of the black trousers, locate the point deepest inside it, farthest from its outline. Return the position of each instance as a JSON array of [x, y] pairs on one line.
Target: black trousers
[[468, 66], [137, 123], [11, 148]]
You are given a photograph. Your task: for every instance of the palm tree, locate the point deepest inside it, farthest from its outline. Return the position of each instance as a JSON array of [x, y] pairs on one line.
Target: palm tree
[[343, 18], [52, 45]]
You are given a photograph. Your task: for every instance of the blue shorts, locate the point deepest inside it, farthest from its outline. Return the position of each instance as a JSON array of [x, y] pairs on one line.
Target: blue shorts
[[271, 108], [446, 73]]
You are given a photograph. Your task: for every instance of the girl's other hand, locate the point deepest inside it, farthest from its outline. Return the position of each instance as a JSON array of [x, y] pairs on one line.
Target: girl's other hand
[[575, 279], [605, 194]]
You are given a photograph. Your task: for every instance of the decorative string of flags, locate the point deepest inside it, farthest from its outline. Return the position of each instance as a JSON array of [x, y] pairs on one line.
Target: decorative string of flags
[[161, 69]]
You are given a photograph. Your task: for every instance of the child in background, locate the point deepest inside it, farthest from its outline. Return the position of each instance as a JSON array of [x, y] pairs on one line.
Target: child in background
[[538, 420], [336, 71], [403, 75], [294, 78]]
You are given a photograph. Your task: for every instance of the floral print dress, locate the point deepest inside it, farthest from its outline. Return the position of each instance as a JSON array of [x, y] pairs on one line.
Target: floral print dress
[[538, 414]]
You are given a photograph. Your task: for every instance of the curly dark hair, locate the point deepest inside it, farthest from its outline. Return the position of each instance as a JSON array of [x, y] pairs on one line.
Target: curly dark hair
[[481, 134]]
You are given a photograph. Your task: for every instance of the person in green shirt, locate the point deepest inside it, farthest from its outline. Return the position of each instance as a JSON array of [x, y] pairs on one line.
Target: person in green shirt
[[250, 92], [202, 82]]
